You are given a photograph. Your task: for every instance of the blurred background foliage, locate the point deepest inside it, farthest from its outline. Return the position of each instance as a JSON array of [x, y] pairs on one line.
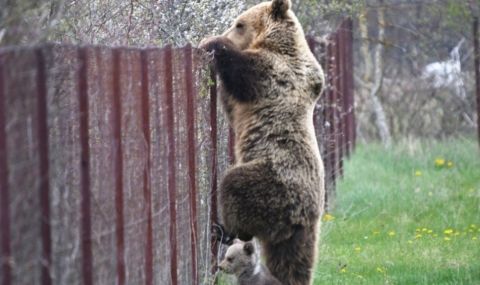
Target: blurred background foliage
[[395, 98]]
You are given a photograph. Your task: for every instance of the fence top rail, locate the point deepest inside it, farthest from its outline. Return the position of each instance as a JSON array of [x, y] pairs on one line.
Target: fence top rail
[[7, 49]]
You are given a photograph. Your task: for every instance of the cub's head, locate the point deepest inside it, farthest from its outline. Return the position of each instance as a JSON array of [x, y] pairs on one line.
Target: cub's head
[[239, 257], [269, 25]]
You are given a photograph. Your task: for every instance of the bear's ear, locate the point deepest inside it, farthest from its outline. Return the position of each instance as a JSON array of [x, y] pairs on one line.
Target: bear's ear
[[248, 248], [280, 8]]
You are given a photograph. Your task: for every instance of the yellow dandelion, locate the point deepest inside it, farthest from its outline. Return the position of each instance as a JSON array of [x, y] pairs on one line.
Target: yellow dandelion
[[424, 229], [391, 233], [376, 232], [474, 238], [380, 269], [359, 276], [439, 162], [410, 241], [418, 173], [449, 164], [429, 231], [343, 270], [418, 230], [446, 238], [418, 236], [456, 234], [473, 226], [328, 218], [448, 231], [358, 249]]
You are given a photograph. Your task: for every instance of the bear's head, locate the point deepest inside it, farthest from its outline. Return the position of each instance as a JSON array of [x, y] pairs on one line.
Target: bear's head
[[270, 25], [239, 257]]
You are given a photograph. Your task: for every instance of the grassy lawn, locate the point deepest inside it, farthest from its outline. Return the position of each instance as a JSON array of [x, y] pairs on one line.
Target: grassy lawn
[[410, 215]]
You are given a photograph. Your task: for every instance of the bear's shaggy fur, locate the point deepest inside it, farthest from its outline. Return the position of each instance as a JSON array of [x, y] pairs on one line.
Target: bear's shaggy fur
[[275, 189], [241, 260]]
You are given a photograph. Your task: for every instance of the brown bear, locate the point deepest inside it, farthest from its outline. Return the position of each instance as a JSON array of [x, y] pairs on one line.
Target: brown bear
[[275, 190], [241, 260]]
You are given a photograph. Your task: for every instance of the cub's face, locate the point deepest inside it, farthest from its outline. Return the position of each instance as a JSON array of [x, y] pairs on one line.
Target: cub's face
[[239, 256], [251, 25]]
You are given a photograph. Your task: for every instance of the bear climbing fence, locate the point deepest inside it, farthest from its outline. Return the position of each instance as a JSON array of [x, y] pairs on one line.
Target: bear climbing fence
[[110, 160]]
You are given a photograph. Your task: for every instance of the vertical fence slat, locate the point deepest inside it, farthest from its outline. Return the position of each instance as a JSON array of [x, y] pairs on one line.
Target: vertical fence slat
[[344, 67], [331, 131], [172, 195], [147, 191], [476, 46], [350, 86], [103, 175], [334, 102], [345, 89], [117, 118], [214, 163], [323, 115], [44, 168], [339, 99], [5, 246], [324, 119], [86, 225], [316, 116], [191, 138], [343, 93]]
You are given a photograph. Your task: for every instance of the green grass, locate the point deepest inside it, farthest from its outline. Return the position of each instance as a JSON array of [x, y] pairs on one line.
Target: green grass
[[401, 219]]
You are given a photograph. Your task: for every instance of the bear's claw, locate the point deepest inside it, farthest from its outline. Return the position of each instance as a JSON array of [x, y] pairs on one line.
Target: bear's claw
[[220, 234]]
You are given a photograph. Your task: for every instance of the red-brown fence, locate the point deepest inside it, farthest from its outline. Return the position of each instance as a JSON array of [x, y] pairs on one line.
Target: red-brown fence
[[334, 117], [110, 160]]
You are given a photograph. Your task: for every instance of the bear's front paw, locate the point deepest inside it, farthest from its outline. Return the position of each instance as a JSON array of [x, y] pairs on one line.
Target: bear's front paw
[[220, 234], [214, 43], [209, 44]]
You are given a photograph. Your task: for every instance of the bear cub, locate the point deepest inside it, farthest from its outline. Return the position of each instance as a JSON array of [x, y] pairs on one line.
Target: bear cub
[[241, 260]]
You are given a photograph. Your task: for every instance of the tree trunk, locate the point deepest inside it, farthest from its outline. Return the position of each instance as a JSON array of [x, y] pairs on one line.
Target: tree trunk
[[375, 87], [380, 117]]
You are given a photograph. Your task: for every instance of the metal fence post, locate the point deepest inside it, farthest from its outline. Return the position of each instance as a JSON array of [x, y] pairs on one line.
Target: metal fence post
[[147, 187], [191, 128], [5, 246], [44, 167], [117, 117], [477, 70], [214, 164], [86, 226]]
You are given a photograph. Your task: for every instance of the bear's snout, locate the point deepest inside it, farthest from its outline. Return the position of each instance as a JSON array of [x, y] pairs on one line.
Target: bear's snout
[[221, 267]]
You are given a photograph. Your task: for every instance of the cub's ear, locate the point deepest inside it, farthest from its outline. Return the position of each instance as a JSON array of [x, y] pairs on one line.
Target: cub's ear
[[248, 248], [280, 8], [235, 241]]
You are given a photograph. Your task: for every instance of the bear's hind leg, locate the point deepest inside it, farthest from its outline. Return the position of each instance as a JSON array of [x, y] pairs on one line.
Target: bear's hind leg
[[292, 260], [248, 197]]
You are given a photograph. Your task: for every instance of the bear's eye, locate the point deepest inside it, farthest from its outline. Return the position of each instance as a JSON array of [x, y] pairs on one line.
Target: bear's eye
[[229, 259], [240, 25]]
